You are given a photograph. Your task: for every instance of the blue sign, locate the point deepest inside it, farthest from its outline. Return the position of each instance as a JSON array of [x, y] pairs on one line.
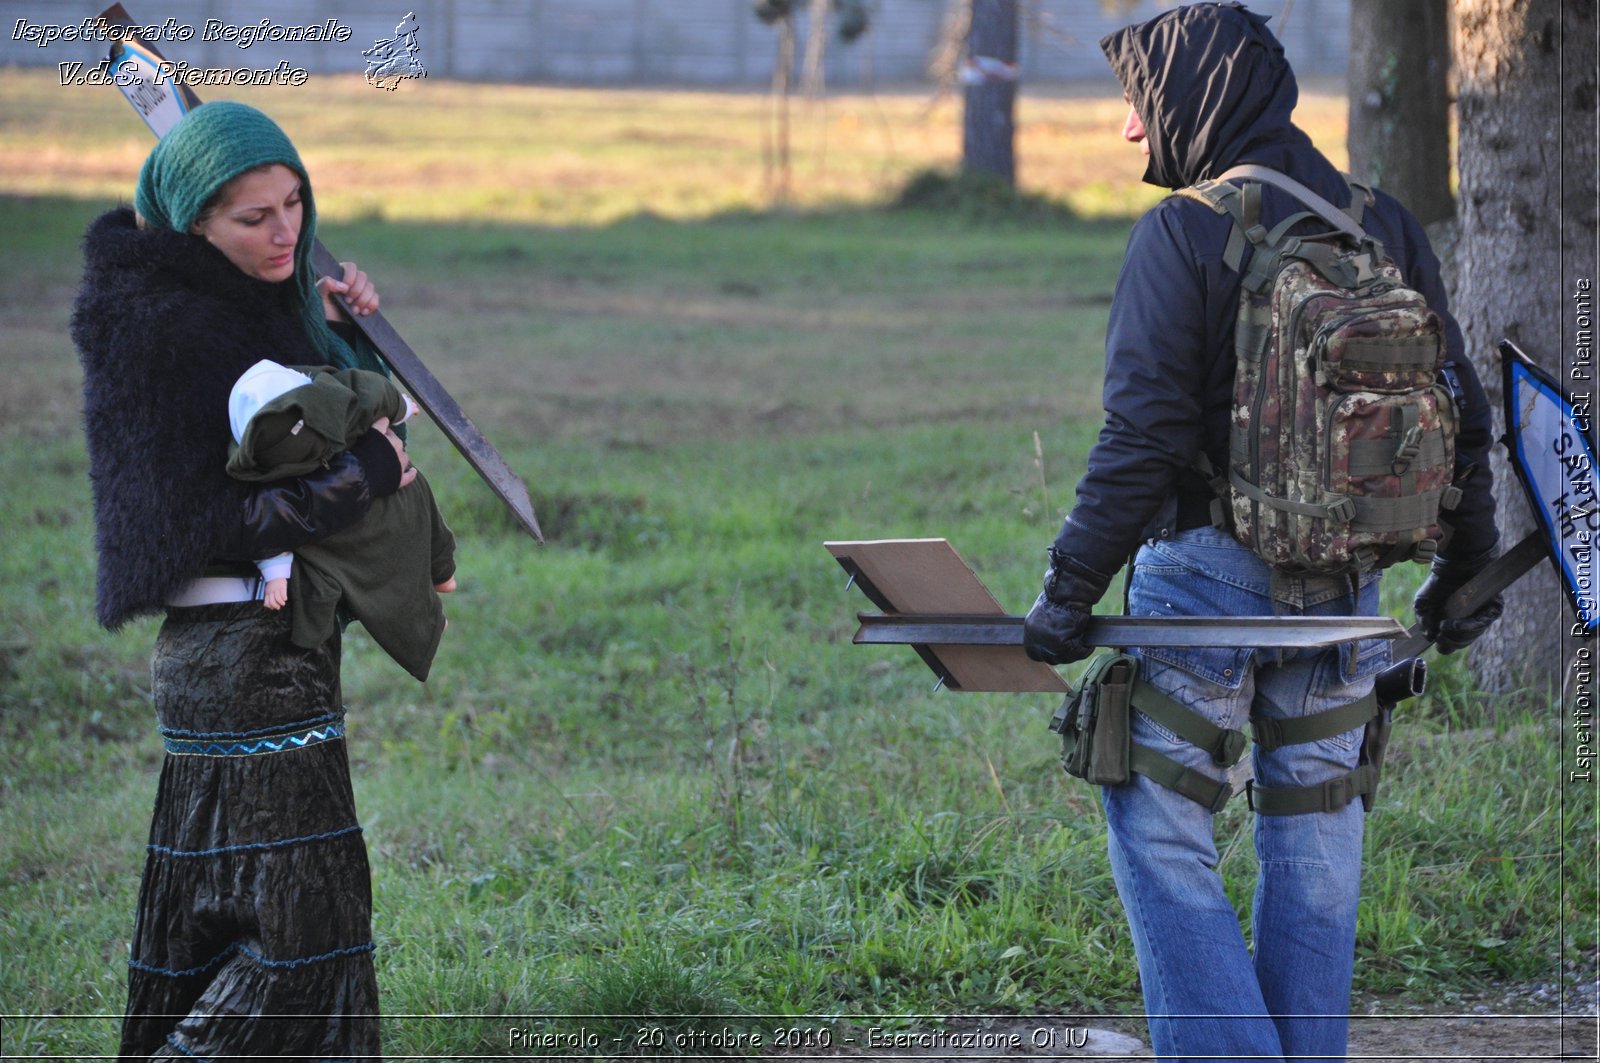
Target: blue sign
[[1552, 450]]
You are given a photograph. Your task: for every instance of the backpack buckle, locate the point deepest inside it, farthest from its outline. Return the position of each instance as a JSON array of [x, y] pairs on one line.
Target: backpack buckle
[[1343, 510], [1410, 447]]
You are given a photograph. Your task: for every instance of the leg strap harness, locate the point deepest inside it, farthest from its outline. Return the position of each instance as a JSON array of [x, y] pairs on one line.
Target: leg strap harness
[[1227, 746]]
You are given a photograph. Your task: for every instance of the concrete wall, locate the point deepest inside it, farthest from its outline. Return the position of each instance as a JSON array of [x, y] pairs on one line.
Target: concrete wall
[[713, 43]]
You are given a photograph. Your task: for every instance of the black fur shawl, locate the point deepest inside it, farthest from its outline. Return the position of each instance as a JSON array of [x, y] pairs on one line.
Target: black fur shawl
[[164, 325]]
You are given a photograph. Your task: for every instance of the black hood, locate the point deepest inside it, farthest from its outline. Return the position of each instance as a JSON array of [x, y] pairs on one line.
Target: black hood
[[1211, 85]]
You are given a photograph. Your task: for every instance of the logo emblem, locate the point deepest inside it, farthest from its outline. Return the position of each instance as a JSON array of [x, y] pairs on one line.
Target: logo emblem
[[392, 61]]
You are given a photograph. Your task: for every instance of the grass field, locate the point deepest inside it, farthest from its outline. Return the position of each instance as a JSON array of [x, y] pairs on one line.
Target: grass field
[[650, 776]]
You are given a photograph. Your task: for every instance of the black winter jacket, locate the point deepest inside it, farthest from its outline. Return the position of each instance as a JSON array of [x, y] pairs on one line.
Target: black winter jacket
[[1169, 339], [164, 325]]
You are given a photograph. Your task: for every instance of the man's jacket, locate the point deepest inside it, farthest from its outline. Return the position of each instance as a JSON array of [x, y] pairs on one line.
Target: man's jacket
[[1169, 339]]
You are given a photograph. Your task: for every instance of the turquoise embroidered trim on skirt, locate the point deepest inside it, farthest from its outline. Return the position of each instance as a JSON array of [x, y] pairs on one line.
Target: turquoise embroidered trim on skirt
[[283, 743]]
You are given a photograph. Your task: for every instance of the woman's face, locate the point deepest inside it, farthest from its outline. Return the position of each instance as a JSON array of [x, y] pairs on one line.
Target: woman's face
[[256, 222]]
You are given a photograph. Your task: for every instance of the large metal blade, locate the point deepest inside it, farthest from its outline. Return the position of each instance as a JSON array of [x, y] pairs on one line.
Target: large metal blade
[[161, 103], [1249, 632]]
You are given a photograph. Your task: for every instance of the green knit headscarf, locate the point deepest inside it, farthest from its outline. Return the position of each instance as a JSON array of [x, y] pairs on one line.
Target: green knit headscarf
[[210, 146]]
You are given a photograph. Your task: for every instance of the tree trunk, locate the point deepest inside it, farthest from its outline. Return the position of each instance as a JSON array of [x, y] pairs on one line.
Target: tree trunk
[[1526, 89], [816, 76], [775, 132], [990, 73], [1399, 102]]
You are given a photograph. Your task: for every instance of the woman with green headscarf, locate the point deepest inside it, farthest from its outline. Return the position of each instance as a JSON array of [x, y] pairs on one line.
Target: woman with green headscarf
[[253, 931]]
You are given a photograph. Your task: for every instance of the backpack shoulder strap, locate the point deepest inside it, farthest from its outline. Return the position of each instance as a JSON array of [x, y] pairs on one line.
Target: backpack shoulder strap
[[1213, 194], [1329, 213], [1243, 203], [1361, 197]]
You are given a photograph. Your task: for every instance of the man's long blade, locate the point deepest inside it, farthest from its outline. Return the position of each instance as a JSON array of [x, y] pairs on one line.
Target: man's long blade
[[1251, 632], [161, 103], [1474, 594]]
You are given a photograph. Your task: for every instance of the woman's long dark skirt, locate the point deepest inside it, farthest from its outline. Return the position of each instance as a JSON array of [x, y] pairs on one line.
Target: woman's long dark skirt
[[254, 930]]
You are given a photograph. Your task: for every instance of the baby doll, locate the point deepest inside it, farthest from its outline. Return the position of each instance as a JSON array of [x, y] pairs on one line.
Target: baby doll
[[386, 570]]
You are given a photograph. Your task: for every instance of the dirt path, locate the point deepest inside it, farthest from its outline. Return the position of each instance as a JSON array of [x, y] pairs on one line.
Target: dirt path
[[1473, 1037], [1533, 1037]]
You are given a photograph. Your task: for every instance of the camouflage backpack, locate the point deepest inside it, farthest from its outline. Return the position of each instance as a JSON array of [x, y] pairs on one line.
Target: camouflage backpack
[[1342, 445]]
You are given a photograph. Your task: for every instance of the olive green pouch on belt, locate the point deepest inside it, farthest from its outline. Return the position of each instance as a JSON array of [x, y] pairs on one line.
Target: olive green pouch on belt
[[1093, 721]]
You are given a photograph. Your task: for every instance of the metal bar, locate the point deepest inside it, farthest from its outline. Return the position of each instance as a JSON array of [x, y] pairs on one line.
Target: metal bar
[[1251, 632], [441, 406]]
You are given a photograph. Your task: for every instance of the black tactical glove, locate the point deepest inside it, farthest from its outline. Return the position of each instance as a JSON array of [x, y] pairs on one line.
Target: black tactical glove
[[1054, 628], [1448, 575]]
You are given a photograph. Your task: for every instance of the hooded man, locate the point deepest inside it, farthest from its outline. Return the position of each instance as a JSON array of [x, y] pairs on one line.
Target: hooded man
[[1208, 89]]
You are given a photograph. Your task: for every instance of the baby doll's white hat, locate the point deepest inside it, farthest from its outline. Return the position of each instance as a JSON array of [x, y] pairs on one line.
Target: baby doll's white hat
[[256, 387]]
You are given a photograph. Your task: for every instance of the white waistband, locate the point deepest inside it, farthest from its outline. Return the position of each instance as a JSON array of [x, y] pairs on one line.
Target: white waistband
[[212, 590]]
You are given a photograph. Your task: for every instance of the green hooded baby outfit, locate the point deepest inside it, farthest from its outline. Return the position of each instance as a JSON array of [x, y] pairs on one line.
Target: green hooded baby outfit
[[382, 570]]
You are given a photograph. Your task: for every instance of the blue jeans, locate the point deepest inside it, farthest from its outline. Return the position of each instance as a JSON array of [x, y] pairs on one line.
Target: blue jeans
[[1206, 995]]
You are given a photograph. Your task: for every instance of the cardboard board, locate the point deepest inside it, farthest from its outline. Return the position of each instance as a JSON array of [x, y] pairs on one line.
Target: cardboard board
[[928, 576]]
